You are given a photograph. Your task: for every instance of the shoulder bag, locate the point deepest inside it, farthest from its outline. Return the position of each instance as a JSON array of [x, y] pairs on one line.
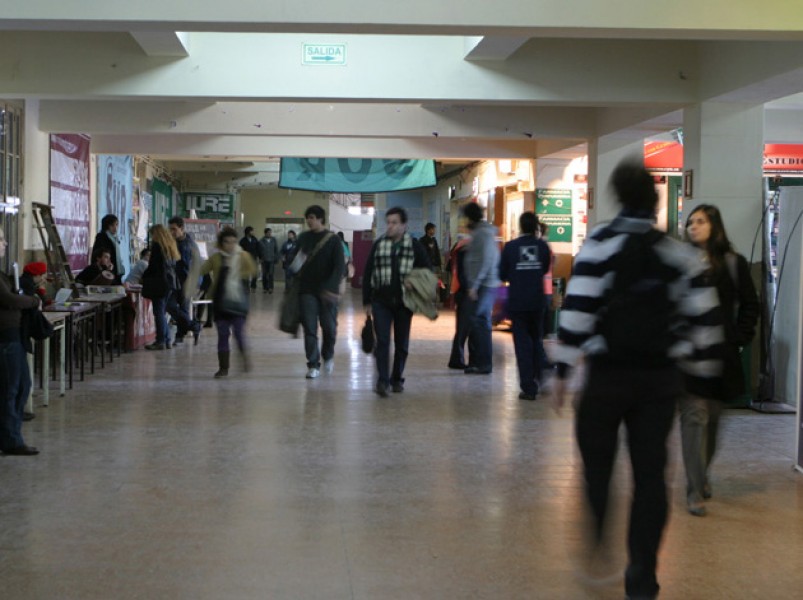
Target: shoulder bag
[[290, 314]]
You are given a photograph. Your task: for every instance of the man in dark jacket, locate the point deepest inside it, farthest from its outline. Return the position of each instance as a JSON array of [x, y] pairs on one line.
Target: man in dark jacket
[[250, 244], [178, 302], [524, 262], [107, 241], [430, 244], [319, 290], [269, 253], [392, 258]]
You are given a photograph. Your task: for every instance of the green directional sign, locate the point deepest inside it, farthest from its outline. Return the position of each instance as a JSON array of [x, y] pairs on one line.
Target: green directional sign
[[323, 54], [554, 208]]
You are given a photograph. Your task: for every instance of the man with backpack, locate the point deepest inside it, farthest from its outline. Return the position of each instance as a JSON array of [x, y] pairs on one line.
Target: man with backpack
[[629, 309]]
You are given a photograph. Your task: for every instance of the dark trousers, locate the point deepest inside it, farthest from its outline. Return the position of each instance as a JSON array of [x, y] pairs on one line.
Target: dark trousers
[[159, 306], [464, 309], [480, 333], [644, 400], [267, 274], [226, 324], [15, 385], [315, 310], [400, 318], [529, 346], [177, 307]]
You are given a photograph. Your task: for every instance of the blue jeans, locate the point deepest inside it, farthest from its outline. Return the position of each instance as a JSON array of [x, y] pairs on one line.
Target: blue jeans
[[529, 346], [313, 311], [267, 274], [178, 308], [400, 318], [15, 385], [159, 306], [480, 335]]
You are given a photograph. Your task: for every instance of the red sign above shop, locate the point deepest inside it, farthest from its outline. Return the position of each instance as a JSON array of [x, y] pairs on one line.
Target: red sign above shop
[[783, 158], [778, 158]]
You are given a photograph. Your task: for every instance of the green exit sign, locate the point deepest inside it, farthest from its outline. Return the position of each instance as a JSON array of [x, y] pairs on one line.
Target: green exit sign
[[323, 54]]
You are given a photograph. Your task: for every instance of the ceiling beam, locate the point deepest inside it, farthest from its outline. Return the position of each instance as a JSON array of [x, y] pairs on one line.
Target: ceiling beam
[[163, 43]]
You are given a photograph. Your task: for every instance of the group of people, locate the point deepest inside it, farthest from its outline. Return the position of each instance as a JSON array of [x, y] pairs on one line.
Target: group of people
[[266, 253], [661, 325]]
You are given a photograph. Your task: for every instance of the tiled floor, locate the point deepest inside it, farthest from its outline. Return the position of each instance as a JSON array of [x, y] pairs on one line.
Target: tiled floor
[[158, 481]]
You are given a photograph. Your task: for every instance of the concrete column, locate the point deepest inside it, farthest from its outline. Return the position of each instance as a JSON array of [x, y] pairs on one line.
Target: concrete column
[[36, 174], [604, 153], [723, 147]]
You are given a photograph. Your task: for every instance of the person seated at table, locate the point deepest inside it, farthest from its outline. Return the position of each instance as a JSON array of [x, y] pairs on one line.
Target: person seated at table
[[135, 276], [100, 272], [32, 280]]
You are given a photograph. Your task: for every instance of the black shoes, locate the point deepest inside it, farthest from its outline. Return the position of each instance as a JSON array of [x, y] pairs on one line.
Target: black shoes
[[155, 346], [460, 366], [22, 451], [196, 334], [476, 371], [398, 387], [526, 396], [381, 389]]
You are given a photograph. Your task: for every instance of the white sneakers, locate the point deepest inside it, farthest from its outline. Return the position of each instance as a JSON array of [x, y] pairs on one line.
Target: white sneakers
[[312, 373], [329, 366]]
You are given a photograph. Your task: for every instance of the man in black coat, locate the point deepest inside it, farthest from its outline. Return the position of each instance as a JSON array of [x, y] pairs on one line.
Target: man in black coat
[[250, 244], [107, 241]]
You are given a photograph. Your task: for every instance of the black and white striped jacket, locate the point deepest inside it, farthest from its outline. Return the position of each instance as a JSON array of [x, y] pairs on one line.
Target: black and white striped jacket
[[696, 326]]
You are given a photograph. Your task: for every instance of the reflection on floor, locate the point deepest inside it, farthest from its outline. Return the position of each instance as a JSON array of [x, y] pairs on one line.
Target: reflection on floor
[[158, 481]]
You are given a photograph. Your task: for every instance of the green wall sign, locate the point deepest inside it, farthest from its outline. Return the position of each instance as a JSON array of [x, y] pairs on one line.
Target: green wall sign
[[554, 207]]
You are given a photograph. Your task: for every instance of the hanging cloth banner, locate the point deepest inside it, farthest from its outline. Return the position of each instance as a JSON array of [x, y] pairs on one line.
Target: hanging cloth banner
[[356, 175]]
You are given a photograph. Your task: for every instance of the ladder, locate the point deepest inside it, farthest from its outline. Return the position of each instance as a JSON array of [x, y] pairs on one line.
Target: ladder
[[57, 262]]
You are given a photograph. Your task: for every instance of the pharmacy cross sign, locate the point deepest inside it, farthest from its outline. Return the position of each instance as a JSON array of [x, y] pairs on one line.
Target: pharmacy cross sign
[[323, 54]]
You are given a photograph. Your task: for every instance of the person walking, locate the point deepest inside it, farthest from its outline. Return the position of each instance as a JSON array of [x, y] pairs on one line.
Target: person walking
[[393, 258], [319, 290], [159, 283], [463, 307], [231, 270], [250, 244], [524, 263], [288, 255], [482, 277], [15, 377], [179, 304], [269, 254], [627, 307], [701, 406]]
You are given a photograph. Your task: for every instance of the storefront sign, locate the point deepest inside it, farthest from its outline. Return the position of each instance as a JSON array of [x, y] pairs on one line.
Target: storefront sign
[[783, 158], [323, 54], [554, 208], [778, 158]]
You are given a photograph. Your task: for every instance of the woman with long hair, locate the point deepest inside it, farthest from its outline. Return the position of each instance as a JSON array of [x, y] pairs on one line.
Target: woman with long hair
[[159, 282], [700, 409], [231, 270]]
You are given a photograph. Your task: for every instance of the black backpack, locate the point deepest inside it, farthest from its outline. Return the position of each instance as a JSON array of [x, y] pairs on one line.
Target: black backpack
[[637, 315]]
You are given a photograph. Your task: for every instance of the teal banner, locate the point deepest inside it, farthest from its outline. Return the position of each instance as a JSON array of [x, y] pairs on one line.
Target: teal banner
[[356, 175]]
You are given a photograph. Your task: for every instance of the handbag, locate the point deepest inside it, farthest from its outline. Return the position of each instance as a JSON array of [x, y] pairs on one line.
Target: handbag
[[290, 314], [37, 326], [368, 337]]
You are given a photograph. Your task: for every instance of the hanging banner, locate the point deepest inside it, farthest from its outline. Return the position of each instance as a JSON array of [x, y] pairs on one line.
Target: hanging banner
[[356, 175], [162, 208], [554, 208], [69, 195], [115, 197]]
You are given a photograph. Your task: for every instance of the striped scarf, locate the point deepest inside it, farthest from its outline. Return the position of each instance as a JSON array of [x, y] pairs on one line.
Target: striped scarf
[[383, 261]]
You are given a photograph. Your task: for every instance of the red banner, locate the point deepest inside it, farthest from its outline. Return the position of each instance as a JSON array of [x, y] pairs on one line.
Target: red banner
[[778, 158], [783, 158]]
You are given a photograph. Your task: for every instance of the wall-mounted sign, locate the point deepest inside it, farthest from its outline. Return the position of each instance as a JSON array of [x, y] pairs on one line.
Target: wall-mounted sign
[[323, 54], [554, 208], [210, 206]]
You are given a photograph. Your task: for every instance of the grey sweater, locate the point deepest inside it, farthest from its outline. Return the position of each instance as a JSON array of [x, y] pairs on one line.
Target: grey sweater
[[482, 257]]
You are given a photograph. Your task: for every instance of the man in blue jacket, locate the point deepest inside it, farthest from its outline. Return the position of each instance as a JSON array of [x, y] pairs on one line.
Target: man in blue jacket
[[524, 262]]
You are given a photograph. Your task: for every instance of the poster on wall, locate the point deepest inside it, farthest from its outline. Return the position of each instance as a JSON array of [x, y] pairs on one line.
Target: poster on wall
[[69, 195], [115, 183], [218, 207], [554, 207]]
